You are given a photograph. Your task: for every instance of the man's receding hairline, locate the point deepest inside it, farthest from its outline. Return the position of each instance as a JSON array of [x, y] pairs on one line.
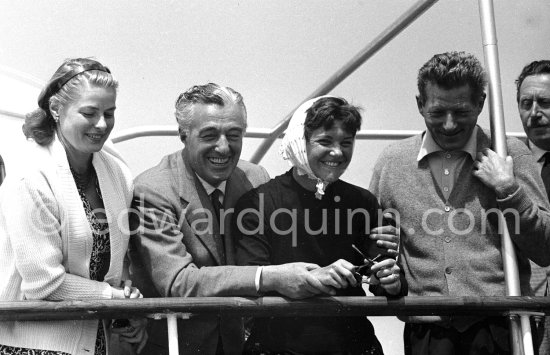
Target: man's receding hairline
[[533, 75]]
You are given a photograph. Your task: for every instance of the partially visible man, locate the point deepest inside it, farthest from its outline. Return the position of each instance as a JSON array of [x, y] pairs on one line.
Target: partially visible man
[[447, 185], [182, 245], [533, 96]]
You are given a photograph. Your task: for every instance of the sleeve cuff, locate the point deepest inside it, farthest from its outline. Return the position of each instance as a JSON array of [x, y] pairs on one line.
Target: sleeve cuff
[[518, 200], [510, 195]]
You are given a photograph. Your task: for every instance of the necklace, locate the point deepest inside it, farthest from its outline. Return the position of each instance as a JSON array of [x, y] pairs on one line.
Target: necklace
[[83, 180]]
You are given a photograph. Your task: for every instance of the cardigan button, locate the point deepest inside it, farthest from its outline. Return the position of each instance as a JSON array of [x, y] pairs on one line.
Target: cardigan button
[[447, 208], [448, 270], [448, 239]]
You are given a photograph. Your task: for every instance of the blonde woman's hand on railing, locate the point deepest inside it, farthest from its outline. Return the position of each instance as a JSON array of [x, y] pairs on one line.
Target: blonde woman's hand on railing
[[126, 291], [133, 330]]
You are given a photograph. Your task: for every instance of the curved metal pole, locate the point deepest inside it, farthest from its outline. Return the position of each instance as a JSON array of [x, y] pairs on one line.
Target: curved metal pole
[[365, 134], [374, 46], [519, 332], [11, 114]]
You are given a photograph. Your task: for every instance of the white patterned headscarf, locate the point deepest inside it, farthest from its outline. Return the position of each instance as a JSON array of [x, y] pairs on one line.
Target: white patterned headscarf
[[293, 146]]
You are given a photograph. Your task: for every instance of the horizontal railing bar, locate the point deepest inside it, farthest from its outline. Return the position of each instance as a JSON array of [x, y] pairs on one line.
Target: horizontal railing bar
[[168, 131], [271, 306], [144, 131], [155, 131], [402, 134]]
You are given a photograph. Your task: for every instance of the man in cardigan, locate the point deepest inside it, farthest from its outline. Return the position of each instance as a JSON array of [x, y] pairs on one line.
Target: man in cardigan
[[447, 184], [182, 247], [533, 96]]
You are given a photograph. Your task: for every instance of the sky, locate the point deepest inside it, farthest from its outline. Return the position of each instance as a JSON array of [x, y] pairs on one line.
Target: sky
[[275, 53]]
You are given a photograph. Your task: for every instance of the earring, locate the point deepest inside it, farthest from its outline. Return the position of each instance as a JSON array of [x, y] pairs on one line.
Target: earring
[[56, 119]]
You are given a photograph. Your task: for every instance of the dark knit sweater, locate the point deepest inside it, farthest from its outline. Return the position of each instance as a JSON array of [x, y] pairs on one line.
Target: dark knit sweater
[[277, 245]]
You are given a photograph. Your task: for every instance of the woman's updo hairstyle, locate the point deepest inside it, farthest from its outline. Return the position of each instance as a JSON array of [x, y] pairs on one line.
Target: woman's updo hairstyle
[[326, 110], [62, 88]]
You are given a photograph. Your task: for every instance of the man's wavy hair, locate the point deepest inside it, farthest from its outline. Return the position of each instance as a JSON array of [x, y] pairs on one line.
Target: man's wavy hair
[[209, 94], [536, 67], [450, 70]]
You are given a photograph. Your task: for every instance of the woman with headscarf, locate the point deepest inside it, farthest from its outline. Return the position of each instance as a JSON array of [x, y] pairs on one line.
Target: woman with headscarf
[[63, 217], [308, 214]]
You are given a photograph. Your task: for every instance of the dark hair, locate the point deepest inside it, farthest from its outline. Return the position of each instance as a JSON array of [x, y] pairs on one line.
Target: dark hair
[[534, 68], [450, 70], [209, 94], [326, 110], [62, 88]]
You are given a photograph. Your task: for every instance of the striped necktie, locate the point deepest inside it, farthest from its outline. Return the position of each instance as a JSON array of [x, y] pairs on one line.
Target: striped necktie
[[218, 208], [215, 198]]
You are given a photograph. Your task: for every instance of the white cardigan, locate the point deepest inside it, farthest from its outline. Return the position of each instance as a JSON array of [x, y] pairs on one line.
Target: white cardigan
[[46, 243]]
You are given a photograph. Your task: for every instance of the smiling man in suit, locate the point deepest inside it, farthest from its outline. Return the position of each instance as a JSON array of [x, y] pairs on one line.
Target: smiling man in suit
[[182, 244]]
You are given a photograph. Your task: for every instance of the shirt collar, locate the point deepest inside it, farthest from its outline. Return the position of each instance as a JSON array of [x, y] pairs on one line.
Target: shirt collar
[[537, 152], [429, 145], [209, 188]]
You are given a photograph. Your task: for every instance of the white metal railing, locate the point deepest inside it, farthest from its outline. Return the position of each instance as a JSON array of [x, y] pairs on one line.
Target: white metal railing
[[174, 308], [347, 306]]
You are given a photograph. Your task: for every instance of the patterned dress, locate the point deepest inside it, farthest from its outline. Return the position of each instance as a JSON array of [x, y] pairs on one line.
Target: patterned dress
[[99, 265], [101, 255]]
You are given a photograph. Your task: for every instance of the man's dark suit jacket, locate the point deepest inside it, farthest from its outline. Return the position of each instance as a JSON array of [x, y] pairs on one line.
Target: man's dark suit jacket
[[175, 252]]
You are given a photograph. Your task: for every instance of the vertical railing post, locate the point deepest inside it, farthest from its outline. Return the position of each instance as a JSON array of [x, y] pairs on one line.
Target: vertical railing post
[[173, 346], [527, 335], [520, 331]]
